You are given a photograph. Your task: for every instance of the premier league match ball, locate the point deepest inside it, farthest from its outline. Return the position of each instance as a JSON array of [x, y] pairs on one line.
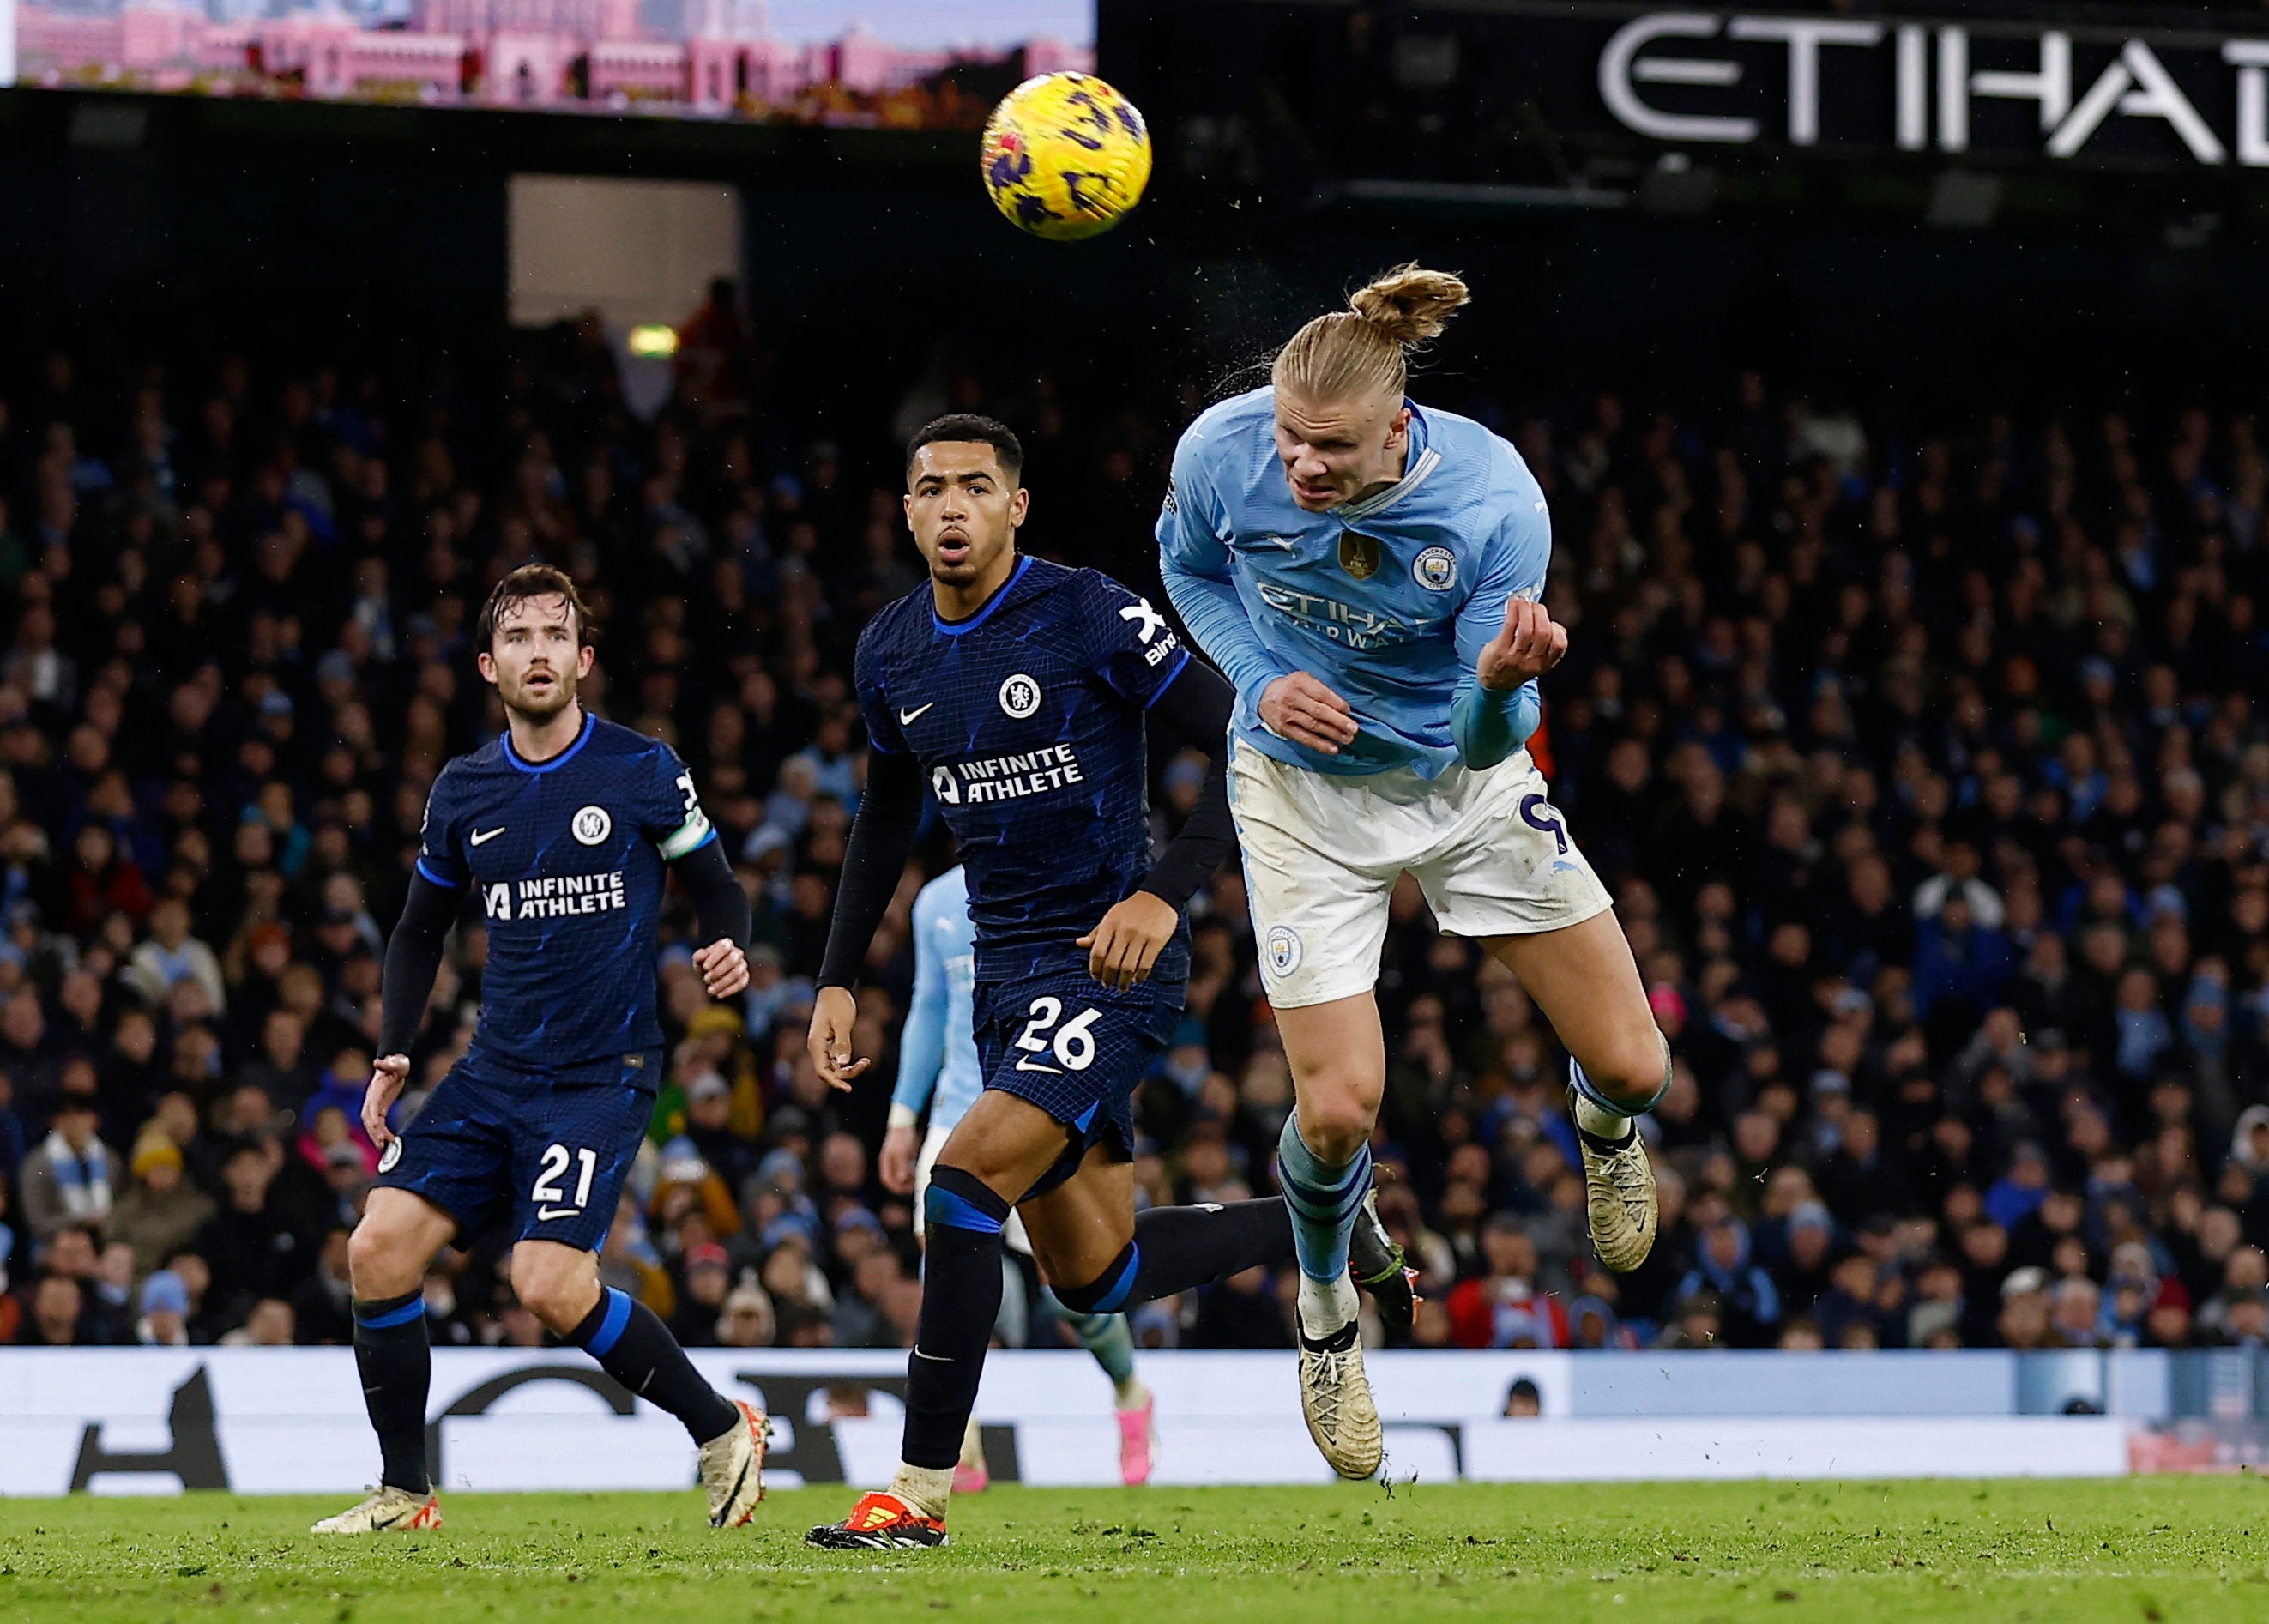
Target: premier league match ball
[[1065, 156]]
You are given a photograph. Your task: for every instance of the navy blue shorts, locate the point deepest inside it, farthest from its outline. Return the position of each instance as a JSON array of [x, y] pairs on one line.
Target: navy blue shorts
[[547, 1151], [1077, 1049]]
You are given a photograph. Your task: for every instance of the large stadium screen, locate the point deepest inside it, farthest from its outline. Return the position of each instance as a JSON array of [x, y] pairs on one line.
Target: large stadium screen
[[913, 64]]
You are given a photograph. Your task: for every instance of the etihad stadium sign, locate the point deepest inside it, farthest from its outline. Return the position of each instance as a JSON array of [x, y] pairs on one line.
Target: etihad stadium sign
[[2015, 90]]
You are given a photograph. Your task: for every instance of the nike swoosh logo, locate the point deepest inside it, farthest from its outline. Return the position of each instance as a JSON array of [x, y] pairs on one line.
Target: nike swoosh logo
[[932, 1358], [547, 1214], [907, 717], [483, 836]]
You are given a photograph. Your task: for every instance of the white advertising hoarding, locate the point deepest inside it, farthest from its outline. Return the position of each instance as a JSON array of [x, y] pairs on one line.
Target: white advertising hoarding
[[149, 1421]]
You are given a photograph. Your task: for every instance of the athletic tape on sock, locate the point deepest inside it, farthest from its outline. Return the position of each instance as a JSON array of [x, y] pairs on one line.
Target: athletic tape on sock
[[611, 1328], [960, 1201], [389, 1312], [1106, 1294]]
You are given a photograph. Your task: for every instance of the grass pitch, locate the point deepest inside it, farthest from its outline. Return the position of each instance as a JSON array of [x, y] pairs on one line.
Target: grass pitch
[[2151, 1550]]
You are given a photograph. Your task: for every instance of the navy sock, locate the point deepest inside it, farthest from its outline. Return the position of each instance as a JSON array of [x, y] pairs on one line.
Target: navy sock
[[1175, 1248], [636, 1348], [1323, 1198], [961, 1298], [396, 1363]]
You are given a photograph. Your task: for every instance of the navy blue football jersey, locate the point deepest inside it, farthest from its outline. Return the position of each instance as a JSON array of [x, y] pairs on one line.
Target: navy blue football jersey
[[566, 858], [1028, 719]]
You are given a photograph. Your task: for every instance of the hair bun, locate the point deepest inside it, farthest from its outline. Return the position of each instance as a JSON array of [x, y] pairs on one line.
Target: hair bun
[[1409, 304]]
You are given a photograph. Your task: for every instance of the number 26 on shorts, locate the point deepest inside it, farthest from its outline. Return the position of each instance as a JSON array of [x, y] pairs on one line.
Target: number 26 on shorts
[[1074, 1045]]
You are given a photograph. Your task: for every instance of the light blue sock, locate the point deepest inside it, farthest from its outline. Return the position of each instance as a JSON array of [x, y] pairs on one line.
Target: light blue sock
[[1108, 1339], [1323, 1200]]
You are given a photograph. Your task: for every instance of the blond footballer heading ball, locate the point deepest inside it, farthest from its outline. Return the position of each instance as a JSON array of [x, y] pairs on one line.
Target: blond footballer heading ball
[[1065, 156]]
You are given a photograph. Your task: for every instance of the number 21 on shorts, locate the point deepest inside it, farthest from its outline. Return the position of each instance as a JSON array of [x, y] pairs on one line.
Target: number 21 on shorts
[[557, 1160], [1072, 1045]]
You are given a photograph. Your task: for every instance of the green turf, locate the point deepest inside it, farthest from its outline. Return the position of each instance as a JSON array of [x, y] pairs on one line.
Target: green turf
[[2146, 1549]]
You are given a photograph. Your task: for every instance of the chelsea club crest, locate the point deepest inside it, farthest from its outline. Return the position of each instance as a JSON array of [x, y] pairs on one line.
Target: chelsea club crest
[[1435, 569]]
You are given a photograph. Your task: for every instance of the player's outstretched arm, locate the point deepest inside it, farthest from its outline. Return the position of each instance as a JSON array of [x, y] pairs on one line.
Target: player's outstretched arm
[[413, 958], [1194, 710], [720, 918], [874, 859]]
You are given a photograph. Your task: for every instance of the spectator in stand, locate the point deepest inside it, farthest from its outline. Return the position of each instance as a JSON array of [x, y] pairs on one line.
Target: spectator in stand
[[701, 1299], [322, 1305], [269, 1324], [160, 1210], [165, 1321], [746, 1317], [170, 956], [57, 1318], [1750, 1309], [1243, 1311], [254, 1252], [1503, 1307], [67, 1179]]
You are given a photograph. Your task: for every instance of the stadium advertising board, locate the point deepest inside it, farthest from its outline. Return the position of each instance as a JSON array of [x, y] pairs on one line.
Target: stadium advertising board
[[1526, 91], [915, 64], [2021, 90], [259, 1420]]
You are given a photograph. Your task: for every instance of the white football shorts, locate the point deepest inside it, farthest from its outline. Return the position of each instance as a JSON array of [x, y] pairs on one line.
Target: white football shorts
[[1322, 854], [933, 1142]]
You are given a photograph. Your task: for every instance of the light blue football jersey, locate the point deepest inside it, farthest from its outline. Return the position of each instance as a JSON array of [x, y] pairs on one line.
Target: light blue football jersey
[[1387, 600], [937, 1051]]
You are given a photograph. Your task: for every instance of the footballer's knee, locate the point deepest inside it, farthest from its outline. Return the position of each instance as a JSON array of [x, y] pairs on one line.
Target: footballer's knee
[[1632, 1067], [1335, 1122], [391, 1247], [557, 1284]]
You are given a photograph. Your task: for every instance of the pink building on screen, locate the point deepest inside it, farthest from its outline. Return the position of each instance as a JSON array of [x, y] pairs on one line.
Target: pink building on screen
[[498, 52]]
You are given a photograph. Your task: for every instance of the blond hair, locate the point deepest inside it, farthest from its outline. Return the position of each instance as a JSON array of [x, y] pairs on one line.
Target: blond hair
[[1365, 349]]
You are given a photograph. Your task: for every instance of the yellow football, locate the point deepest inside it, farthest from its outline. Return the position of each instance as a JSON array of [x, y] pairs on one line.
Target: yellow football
[[1065, 156]]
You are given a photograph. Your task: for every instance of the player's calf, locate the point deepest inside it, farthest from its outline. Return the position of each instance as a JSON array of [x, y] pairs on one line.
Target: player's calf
[[387, 1257], [1326, 1201], [961, 1298], [559, 1284], [1618, 1175]]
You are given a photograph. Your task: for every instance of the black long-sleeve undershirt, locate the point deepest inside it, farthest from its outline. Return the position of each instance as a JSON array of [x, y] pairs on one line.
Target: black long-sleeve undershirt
[[721, 907], [1196, 707], [413, 958], [874, 859], [413, 953]]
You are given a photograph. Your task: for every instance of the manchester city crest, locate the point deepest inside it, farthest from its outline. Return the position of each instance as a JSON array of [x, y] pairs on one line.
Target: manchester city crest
[[1435, 569], [1359, 555], [1283, 947]]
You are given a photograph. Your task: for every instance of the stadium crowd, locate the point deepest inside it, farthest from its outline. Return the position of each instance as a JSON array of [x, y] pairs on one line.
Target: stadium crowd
[[1923, 768]]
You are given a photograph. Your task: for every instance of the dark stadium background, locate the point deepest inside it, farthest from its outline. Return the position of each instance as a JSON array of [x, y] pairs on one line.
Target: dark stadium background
[[1860, 522]]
